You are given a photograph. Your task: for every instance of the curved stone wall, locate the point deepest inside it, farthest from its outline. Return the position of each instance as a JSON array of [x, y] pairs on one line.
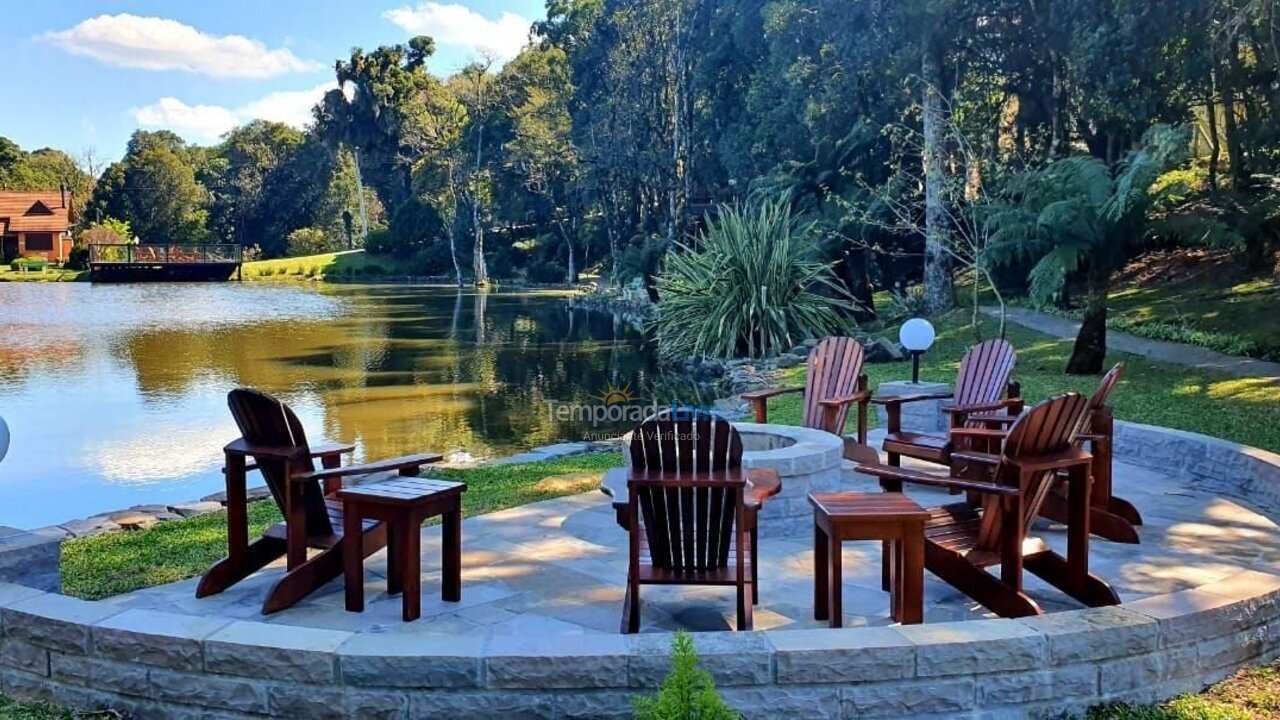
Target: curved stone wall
[[92, 655]]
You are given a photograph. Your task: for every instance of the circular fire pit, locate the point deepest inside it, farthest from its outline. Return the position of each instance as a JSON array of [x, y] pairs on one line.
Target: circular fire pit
[[806, 460]]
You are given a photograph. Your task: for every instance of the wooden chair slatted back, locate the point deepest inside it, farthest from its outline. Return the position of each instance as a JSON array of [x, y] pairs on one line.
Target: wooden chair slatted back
[[689, 522], [264, 420], [834, 368], [1102, 396], [1050, 427], [984, 373]]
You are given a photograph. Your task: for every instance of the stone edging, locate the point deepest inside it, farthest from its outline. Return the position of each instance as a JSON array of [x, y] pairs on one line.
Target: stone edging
[[91, 655]]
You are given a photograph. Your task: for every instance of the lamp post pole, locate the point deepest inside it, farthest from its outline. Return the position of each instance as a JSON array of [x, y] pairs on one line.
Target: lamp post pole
[[915, 366]]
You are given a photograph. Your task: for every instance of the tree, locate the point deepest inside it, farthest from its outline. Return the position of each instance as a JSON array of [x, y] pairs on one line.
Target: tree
[[1079, 216], [154, 189]]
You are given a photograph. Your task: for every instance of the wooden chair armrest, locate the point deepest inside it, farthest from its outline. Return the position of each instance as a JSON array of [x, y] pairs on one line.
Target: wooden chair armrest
[[240, 446], [1053, 461], [888, 472], [401, 463], [977, 457], [993, 419], [987, 433], [770, 392], [860, 396], [901, 399], [1092, 437], [332, 449], [969, 409]]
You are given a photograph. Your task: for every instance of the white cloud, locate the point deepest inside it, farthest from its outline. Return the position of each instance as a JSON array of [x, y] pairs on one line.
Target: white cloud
[[458, 25], [153, 43], [209, 122]]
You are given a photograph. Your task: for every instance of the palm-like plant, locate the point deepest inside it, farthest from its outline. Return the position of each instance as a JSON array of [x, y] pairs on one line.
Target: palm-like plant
[[1079, 215], [754, 286]]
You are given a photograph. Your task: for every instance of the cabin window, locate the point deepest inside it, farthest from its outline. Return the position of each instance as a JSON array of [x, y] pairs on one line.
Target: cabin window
[[39, 242]]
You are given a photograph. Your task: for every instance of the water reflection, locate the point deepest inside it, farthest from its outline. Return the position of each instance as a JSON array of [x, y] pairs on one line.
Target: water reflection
[[116, 394]]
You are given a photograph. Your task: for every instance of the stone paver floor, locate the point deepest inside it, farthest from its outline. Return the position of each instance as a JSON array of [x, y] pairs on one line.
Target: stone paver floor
[[559, 567]]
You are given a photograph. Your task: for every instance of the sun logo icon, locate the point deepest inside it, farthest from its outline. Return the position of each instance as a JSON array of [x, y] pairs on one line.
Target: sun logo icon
[[615, 394]]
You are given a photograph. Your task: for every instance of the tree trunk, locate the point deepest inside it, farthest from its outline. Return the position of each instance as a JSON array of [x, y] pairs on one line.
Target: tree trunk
[[1090, 351], [1233, 132], [937, 273], [1215, 145]]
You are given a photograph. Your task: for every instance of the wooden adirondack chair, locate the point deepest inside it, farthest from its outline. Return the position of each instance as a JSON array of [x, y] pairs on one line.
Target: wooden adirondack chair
[[688, 519], [835, 381], [982, 386], [963, 539], [273, 436], [1110, 517]]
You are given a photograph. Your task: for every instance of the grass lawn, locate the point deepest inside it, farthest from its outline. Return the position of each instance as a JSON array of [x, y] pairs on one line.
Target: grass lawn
[[1252, 694], [106, 565], [1240, 409], [351, 263], [7, 274]]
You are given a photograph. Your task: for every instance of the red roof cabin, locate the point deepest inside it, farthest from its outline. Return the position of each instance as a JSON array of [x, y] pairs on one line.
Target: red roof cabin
[[35, 224]]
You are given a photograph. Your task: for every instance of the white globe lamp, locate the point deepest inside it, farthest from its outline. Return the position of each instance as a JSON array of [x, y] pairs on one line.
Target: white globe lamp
[[917, 337]]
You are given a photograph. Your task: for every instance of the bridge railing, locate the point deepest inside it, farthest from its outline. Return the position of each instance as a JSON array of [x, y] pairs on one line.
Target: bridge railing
[[125, 253]]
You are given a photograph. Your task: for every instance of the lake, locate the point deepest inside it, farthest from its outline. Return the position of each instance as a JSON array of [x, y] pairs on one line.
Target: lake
[[115, 395]]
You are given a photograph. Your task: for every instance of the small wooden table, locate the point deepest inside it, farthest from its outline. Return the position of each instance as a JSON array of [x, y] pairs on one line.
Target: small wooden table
[[891, 517], [403, 503]]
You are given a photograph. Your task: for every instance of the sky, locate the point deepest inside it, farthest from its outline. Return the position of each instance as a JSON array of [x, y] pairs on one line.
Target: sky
[[84, 75]]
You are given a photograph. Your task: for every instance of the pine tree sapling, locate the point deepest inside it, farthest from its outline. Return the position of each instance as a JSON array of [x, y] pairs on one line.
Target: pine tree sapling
[[688, 693]]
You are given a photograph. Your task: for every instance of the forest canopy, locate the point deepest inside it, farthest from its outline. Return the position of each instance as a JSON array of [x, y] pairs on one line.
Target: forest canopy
[[895, 129]]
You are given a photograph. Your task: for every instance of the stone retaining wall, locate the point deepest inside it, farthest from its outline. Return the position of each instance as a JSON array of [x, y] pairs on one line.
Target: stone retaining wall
[[92, 655]]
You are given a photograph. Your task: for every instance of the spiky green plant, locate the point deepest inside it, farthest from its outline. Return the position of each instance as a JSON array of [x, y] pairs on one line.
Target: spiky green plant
[[688, 693], [754, 286]]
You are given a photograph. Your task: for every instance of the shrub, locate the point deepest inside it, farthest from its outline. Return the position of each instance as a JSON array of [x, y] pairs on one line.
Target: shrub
[[432, 260], [688, 693], [307, 241], [541, 271], [755, 286], [905, 304], [29, 264], [379, 241], [107, 232]]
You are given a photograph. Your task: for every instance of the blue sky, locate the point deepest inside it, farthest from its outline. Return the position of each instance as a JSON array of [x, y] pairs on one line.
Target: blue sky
[[86, 74]]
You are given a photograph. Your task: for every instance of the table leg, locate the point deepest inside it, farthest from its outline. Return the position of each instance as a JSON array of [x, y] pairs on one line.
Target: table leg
[[835, 582], [394, 560], [820, 578], [912, 577], [451, 587], [411, 567], [352, 557]]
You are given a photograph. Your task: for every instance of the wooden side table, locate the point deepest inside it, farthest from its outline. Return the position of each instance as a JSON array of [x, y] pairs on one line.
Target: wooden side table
[[890, 517], [403, 503]]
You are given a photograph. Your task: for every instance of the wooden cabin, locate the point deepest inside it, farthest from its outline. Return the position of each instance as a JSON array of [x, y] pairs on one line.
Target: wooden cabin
[[35, 224]]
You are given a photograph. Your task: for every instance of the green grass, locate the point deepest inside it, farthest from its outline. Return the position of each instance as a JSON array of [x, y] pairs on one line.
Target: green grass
[[350, 264], [1252, 694], [1243, 311], [15, 710], [1246, 410], [105, 565], [47, 275]]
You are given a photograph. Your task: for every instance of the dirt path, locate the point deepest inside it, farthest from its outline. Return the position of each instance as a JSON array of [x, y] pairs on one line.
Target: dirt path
[[1169, 352]]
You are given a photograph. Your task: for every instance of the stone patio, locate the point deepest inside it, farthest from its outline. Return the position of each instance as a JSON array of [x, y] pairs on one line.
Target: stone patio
[[558, 568]]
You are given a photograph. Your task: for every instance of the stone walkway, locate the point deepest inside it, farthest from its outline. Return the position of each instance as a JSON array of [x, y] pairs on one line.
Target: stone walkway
[[558, 568], [1169, 352]]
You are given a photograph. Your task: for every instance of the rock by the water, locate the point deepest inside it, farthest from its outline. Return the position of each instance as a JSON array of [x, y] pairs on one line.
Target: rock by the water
[[787, 361], [801, 350]]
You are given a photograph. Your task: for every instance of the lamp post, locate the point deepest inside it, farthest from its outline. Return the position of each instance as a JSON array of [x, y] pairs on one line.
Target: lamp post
[[916, 336]]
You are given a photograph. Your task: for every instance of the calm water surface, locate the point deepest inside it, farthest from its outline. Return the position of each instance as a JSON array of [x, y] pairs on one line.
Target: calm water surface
[[116, 394]]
